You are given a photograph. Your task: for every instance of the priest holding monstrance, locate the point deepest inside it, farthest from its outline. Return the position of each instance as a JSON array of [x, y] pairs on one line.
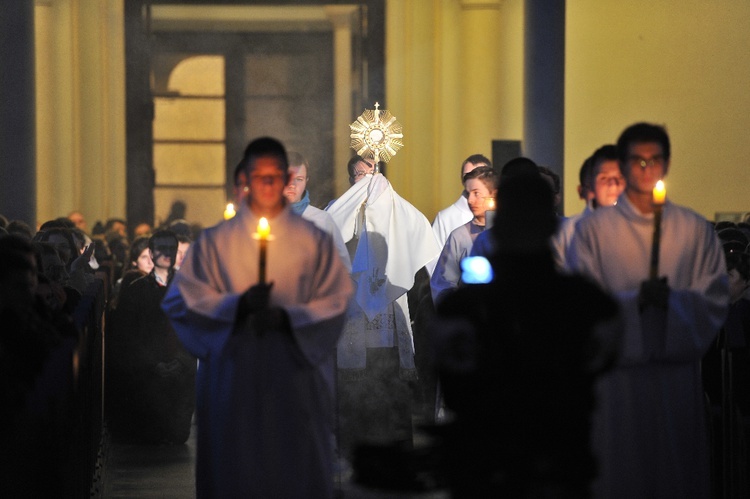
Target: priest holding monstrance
[[260, 300], [389, 241], [664, 265]]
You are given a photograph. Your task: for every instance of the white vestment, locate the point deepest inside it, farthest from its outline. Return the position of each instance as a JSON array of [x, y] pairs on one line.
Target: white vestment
[[649, 430], [447, 220], [264, 409], [562, 238], [447, 273], [393, 241], [324, 222]]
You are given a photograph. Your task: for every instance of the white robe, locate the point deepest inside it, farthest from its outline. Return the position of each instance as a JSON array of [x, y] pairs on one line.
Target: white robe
[[394, 241], [563, 237], [447, 273], [264, 408], [649, 431], [324, 222], [448, 220]]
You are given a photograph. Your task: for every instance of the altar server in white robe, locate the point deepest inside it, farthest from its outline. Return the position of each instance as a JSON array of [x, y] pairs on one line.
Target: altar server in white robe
[[298, 196], [649, 431], [481, 184], [390, 241], [454, 216], [264, 409]]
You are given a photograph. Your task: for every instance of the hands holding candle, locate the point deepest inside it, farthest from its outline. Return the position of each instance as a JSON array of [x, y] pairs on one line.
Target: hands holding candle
[[655, 292]]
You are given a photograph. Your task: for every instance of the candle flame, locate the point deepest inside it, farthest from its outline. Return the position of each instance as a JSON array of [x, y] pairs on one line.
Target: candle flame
[[490, 203], [660, 193], [264, 229], [229, 211]]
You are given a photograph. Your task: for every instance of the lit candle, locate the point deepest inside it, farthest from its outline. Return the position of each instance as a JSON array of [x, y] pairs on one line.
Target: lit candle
[[229, 212], [489, 214], [660, 193], [263, 234]]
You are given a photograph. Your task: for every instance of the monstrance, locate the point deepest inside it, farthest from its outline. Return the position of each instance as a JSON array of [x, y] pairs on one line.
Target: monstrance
[[376, 134]]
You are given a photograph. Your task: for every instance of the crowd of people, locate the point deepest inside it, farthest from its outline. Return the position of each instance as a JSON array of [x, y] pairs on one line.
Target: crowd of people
[[575, 368], [149, 377]]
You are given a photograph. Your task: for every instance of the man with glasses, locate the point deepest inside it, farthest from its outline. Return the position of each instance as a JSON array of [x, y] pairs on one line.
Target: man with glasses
[[264, 407], [649, 430], [601, 185]]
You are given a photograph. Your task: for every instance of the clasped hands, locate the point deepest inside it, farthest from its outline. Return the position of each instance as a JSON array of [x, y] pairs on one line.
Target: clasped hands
[[654, 293], [255, 302]]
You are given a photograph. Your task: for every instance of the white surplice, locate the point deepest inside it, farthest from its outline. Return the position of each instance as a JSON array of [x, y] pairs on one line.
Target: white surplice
[[394, 240], [448, 220], [264, 405], [447, 273], [324, 222], [649, 431]]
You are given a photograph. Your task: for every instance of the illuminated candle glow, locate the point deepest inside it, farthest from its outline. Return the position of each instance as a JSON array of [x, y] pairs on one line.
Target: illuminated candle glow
[[659, 196], [229, 211], [489, 214], [263, 234], [660, 193], [264, 229]]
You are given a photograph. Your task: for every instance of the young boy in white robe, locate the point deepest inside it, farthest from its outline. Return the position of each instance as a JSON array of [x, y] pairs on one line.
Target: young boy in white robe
[[264, 406]]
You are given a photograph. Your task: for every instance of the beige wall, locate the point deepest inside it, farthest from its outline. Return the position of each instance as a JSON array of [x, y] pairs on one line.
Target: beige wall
[[80, 100], [685, 64], [454, 79]]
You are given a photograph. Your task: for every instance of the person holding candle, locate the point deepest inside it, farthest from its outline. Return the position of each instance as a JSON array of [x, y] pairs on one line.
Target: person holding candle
[[264, 399], [481, 185], [649, 429], [459, 213]]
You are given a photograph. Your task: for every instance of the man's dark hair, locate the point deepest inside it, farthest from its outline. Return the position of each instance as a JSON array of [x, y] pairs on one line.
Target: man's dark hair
[[172, 249], [161, 234], [137, 247], [639, 134], [486, 174], [475, 159], [519, 166], [554, 176], [297, 159], [525, 213], [262, 148], [352, 163]]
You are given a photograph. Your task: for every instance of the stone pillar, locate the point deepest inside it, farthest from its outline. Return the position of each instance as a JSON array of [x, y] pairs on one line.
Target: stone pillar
[[341, 17], [544, 83], [480, 65], [17, 112]]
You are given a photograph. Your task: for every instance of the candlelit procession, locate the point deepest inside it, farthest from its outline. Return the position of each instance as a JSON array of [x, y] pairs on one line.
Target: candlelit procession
[[374, 249]]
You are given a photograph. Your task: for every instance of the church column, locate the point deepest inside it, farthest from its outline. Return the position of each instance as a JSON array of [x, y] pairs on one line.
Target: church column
[[341, 17], [544, 83], [17, 114], [480, 66]]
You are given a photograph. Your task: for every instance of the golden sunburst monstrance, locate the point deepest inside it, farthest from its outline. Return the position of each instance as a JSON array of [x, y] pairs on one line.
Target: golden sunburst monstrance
[[376, 134]]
